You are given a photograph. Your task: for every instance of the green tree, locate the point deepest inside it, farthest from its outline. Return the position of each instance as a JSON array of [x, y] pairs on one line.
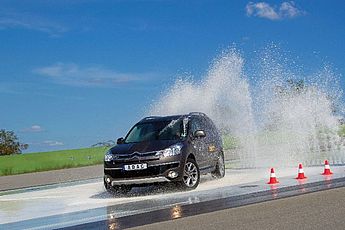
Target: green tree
[[9, 143]]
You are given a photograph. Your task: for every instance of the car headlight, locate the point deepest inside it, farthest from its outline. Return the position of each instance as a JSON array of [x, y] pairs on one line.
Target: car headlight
[[171, 151], [108, 156]]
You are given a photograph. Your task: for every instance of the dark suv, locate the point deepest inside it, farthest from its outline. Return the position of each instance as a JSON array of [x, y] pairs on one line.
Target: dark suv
[[165, 149]]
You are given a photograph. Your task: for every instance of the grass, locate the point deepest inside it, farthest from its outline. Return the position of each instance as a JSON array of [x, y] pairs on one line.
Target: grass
[[44, 161], [229, 142], [341, 131]]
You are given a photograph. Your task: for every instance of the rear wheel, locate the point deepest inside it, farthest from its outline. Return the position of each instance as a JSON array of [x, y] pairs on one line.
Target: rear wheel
[[191, 175], [219, 172]]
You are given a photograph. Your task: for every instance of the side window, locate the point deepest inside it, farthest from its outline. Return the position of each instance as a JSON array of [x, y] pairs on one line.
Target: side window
[[196, 124], [211, 129]]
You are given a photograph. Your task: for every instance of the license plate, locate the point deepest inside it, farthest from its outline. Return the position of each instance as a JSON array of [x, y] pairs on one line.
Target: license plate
[[135, 167]]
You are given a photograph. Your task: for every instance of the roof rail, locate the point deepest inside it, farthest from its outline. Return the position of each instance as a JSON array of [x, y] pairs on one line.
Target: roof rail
[[197, 113], [149, 117]]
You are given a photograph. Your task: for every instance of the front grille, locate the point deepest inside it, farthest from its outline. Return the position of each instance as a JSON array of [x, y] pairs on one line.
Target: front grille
[[149, 172], [136, 156]]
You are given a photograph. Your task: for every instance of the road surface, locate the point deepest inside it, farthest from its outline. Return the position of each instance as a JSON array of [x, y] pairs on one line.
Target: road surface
[[88, 205], [319, 210]]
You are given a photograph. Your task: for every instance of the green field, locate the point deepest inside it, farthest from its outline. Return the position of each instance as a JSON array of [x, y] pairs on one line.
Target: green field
[[342, 131], [44, 161], [230, 142]]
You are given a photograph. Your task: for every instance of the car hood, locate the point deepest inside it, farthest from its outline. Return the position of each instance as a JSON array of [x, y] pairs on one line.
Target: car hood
[[142, 147]]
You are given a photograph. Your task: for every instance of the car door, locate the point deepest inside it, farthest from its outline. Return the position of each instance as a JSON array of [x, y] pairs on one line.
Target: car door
[[199, 144], [211, 141]]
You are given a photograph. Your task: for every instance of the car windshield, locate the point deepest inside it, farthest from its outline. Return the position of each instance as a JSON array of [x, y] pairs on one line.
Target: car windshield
[[158, 130]]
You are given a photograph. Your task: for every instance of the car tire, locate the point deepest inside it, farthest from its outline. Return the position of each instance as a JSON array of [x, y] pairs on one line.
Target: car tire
[[219, 172], [191, 175], [106, 185]]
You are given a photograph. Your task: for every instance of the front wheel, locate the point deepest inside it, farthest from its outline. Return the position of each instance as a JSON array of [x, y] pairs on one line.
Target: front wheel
[[219, 172], [191, 175]]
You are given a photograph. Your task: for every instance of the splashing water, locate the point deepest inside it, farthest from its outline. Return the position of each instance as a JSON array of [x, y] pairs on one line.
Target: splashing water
[[278, 121]]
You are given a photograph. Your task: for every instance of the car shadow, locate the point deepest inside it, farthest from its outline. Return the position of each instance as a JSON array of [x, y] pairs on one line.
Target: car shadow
[[148, 190], [139, 191]]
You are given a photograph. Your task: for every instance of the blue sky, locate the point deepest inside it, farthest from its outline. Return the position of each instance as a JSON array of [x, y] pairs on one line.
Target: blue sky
[[76, 72]]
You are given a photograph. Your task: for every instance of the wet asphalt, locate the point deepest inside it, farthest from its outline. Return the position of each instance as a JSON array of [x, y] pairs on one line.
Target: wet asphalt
[[317, 210], [214, 196], [307, 206]]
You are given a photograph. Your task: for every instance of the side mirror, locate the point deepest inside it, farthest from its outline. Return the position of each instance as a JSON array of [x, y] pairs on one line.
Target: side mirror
[[120, 141], [199, 134]]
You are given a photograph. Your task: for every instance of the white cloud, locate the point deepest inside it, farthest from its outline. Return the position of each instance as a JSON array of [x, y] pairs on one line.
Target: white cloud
[[33, 129], [289, 10], [52, 143], [261, 9], [30, 22], [73, 74], [265, 10]]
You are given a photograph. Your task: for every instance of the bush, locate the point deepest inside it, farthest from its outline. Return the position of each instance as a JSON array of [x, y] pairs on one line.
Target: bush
[[9, 143], [341, 131]]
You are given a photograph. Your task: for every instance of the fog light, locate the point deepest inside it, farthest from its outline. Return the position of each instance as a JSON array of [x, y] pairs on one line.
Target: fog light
[[172, 174], [108, 180]]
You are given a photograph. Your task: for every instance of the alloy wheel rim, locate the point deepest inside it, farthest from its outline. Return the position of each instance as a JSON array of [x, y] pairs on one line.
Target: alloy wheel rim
[[190, 176]]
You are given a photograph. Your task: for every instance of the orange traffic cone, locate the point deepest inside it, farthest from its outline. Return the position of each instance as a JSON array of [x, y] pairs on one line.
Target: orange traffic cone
[[300, 173], [327, 170], [273, 179]]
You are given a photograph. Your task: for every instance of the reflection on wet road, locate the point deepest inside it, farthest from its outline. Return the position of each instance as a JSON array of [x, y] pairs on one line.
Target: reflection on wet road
[[89, 203]]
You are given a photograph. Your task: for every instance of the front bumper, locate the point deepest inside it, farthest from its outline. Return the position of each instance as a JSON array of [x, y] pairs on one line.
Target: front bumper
[[153, 174], [148, 180]]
